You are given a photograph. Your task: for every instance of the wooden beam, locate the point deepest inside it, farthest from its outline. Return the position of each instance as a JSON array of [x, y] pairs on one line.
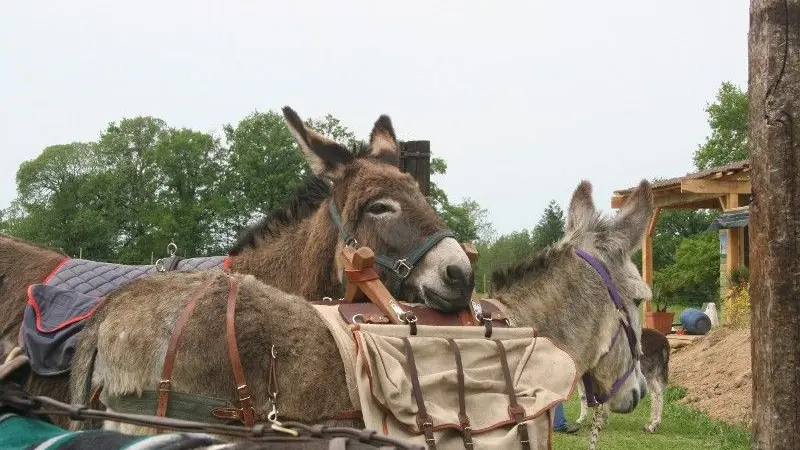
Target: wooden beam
[[647, 255], [715, 187], [679, 199]]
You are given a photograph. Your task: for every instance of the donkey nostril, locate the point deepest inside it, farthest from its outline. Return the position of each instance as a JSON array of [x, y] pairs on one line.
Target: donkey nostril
[[455, 275]]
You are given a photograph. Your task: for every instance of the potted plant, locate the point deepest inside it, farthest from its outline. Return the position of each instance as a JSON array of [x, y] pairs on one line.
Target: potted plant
[[660, 319]]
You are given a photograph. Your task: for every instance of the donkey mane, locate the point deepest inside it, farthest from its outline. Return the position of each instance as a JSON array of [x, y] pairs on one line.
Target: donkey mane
[[32, 244], [508, 276], [305, 200], [596, 224]]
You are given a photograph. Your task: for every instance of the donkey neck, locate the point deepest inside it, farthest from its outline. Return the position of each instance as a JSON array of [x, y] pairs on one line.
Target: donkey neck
[[298, 260], [563, 301]]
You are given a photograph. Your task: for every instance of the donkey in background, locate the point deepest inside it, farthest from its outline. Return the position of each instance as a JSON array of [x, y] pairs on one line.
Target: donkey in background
[[655, 367], [556, 291]]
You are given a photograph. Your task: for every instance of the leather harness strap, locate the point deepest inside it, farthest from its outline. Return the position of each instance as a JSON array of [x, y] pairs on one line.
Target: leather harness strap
[[424, 420], [169, 362], [242, 390], [515, 410], [466, 430]]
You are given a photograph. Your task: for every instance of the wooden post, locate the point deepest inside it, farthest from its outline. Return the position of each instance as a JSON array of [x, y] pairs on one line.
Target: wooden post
[[647, 255], [774, 134], [733, 261], [415, 158]]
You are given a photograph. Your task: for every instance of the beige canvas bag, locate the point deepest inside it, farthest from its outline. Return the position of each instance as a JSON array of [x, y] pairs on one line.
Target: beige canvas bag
[[465, 401]]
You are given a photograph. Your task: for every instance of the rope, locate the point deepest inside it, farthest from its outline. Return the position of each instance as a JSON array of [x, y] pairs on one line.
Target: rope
[[597, 422]]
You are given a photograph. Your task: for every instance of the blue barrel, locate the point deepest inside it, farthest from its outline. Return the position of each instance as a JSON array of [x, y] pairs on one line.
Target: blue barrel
[[695, 321]]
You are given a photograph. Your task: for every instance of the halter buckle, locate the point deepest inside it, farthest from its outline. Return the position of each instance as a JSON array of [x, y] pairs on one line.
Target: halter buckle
[[402, 269]]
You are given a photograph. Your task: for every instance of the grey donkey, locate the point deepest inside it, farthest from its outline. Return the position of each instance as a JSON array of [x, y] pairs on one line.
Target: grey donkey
[[655, 367]]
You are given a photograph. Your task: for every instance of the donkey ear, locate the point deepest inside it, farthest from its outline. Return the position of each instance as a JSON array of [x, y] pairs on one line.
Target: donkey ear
[[581, 207], [383, 142], [325, 157], [633, 218]]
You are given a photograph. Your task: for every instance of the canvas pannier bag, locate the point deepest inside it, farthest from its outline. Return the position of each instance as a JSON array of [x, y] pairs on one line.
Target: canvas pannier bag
[[451, 387]]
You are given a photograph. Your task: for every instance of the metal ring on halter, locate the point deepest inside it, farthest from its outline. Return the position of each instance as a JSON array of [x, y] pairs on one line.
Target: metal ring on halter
[[354, 319], [274, 354], [172, 249], [327, 299], [351, 242], [401, 264], [160, 265]]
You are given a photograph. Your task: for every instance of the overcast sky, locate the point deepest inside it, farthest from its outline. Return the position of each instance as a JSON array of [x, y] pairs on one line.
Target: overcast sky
[[522, 98]]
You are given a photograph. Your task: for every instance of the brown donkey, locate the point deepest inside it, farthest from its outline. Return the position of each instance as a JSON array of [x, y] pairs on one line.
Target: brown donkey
[[557, 292], [363, 199]]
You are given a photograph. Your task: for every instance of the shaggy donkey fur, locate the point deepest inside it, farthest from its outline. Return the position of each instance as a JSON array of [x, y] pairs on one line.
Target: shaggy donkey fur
[[556, 292], [655, 367]]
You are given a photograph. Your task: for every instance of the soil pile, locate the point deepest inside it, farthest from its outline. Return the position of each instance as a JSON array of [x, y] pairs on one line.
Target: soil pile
[[716, 372]]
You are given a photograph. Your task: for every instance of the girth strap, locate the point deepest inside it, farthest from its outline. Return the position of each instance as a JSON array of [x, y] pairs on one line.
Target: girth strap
[[515, 410], [169, 362], [424, 420], [463, 419]]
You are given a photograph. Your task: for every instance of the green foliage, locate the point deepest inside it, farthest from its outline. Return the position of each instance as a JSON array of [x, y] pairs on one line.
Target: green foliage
[[144, 184], [694, 275], [550, 227], [672, 227], [518, 245], [727, 117]]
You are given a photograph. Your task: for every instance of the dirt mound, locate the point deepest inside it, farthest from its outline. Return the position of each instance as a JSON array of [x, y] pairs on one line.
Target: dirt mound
[[716, 372]]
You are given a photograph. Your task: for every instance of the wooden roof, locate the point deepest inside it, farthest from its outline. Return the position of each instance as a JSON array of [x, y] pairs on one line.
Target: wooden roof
[[698, 190]]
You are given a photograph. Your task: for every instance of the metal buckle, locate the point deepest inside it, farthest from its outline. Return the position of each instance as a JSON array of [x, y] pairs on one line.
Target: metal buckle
[[401, 264], [351, 242]]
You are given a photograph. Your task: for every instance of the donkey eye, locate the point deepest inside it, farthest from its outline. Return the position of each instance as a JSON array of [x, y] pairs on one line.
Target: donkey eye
[[379, 208]]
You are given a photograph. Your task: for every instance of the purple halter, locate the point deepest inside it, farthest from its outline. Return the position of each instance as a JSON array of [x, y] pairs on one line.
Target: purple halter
[[588, 382]]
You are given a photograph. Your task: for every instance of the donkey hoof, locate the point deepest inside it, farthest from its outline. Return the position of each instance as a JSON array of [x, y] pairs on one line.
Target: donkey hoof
[[652, 428]]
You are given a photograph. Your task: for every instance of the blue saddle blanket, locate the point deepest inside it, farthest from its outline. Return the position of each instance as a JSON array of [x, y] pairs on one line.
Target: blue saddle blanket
[[58, 307]]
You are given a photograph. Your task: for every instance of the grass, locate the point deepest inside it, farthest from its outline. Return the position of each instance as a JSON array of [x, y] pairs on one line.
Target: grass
[[681, 428]]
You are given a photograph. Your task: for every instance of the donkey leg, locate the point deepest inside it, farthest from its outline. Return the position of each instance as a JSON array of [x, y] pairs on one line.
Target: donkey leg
[[656, 387]]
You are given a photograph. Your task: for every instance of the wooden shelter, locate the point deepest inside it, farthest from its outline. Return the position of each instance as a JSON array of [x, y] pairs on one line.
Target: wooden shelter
[[725, 188]]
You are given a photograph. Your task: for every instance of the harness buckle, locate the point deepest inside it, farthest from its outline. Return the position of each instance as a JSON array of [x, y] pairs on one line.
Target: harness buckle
[[402, 269]]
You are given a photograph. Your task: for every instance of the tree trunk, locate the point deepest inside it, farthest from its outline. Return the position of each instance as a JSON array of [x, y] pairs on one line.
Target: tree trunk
[[774, 130]]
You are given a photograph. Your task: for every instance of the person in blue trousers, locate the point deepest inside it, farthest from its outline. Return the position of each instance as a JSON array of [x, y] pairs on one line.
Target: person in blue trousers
[[560, 423]]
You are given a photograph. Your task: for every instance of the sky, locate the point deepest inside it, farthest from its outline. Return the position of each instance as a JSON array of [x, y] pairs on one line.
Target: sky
[[523, 99]]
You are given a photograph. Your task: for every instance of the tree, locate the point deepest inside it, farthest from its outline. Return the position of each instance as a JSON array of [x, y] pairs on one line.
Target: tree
[[693, 276], [550, 227], [774, 127], [727, 117], [468, 220]]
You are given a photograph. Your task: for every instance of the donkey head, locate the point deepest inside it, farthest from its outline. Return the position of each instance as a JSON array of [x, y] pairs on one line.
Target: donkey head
[[374, 204], [615, 371]]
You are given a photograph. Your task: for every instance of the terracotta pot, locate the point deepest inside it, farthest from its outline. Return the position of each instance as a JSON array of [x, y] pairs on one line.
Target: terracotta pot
[[659, 321]]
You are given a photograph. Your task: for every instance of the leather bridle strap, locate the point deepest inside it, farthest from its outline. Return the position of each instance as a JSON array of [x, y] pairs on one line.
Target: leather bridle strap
[[398, 269], [592, 399], [515, 410], [169, 362], [242, 390], [466, 429], [424, 420]]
